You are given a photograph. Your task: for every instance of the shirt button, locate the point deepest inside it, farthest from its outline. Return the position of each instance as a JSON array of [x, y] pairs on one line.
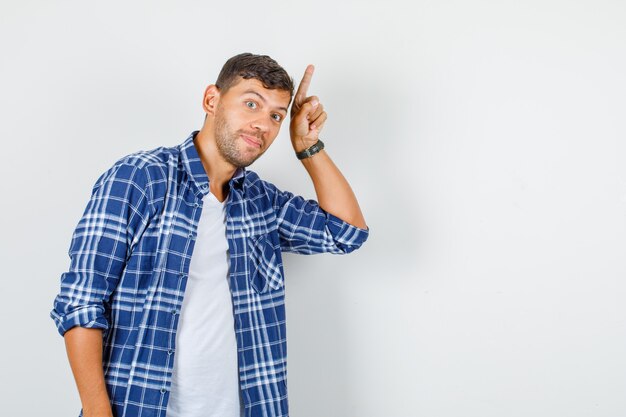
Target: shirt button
[[170, 351], [192, 235], [196, 204], [163, 390], [174, 312]]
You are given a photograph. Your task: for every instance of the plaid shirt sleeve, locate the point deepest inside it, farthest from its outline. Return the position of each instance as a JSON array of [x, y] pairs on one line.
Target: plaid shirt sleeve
[[115, 215], [305, 228]]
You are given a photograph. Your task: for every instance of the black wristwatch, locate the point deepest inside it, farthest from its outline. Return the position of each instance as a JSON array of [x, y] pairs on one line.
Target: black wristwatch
[[309, 152]]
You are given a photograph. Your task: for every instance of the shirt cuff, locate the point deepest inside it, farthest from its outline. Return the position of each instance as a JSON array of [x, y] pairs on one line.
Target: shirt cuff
[[91, 317], [346, 236]]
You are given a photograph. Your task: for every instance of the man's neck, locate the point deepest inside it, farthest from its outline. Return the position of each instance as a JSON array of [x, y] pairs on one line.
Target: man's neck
[[219, 171]]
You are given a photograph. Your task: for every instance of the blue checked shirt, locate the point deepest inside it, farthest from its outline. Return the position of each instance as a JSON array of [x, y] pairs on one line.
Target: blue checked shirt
[[130, 256]]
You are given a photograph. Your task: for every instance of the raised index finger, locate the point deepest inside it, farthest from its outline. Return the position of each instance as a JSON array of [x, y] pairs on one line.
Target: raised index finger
[[304, 84]]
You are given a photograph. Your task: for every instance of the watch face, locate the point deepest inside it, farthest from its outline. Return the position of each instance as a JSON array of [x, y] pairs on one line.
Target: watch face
[[312, 150]]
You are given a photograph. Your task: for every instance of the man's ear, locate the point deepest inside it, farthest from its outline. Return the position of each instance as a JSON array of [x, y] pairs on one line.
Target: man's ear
[[210, 99]]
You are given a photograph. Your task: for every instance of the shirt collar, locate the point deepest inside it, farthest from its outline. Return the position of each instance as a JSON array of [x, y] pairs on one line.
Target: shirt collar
[[193, 165]]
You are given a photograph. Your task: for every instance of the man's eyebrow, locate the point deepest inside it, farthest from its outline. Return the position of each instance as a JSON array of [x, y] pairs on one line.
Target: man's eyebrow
[[263, 98]]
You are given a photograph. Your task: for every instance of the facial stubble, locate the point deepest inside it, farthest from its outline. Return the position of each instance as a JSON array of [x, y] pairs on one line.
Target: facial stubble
[[226, 140]]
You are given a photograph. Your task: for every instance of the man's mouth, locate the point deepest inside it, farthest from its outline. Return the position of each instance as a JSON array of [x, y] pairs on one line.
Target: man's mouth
[[252, 140]]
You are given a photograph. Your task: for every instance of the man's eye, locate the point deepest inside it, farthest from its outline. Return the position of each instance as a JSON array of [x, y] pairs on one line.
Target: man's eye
[[277, 117], [251, 104]]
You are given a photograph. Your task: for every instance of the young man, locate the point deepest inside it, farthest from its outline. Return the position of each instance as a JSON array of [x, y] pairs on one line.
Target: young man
[[174, 300]]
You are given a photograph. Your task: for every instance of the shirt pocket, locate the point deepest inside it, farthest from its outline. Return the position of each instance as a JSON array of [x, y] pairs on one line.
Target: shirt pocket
[[265, 264]]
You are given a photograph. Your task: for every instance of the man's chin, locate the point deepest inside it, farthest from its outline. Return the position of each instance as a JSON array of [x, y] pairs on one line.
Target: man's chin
[[243, 163]]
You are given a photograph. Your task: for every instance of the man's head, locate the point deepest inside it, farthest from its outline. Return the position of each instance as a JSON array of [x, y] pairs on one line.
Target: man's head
[[259, 67], [246, 107]]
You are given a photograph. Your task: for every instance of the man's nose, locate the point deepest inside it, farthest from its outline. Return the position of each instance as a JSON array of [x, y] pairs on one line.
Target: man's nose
[[261, 124]]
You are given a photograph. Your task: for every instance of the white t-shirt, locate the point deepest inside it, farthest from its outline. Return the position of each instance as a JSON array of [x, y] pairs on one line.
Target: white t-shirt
[[205, 379]]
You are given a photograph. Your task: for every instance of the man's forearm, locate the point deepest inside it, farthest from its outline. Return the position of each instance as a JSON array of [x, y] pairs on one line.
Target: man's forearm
[[84, 351], [334, 193]]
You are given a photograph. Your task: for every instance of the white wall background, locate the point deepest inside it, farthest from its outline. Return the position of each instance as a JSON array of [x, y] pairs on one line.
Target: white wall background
[[485, 139]]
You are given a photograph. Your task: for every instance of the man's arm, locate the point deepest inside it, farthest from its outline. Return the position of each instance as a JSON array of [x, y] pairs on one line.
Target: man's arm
[[334, 194], [84, 351], [116, 214]]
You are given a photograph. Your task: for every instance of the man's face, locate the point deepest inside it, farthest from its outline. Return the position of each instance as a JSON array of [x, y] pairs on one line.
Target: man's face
[[247, 120]]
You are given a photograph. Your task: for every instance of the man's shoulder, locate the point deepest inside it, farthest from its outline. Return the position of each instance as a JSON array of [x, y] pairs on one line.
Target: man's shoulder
[[154, 162], [145, 169], [257, 185], [157, 157]]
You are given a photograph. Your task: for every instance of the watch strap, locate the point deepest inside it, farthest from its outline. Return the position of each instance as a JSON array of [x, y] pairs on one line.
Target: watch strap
[[310, 151]]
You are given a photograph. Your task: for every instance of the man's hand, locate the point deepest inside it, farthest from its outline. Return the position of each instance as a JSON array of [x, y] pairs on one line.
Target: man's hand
[[307, 115]]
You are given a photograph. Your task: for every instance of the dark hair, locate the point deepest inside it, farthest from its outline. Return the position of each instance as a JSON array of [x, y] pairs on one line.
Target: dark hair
[[260, 67]]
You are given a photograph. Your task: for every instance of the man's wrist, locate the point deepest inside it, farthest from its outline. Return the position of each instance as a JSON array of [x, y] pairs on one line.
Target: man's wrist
[[311, 150]]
